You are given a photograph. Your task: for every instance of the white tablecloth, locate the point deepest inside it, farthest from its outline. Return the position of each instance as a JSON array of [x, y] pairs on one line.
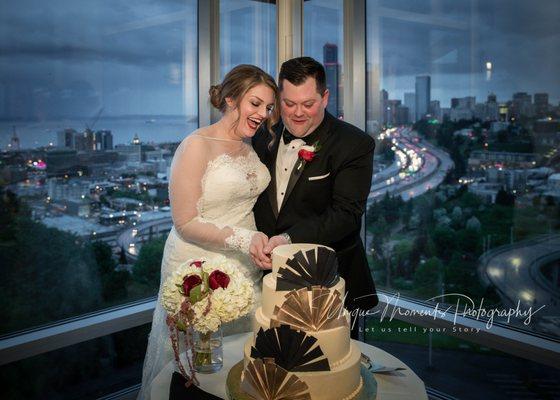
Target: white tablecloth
[[398, 386]]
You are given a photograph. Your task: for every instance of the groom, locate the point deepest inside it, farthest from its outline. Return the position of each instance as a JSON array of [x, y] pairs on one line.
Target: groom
[[321, 171]]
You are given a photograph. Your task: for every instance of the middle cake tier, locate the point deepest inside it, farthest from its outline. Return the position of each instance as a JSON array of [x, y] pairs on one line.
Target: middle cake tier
[[272, 298], [335, 342]]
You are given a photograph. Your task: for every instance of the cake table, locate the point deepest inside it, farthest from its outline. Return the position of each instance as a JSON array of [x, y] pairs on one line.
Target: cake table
[[398, 386]]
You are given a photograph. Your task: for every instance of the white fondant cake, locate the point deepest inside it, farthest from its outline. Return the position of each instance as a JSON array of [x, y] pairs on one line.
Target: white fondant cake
[[304, 328]]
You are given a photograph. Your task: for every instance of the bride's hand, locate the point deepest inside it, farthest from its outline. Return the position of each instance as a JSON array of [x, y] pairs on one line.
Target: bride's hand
[[260, 259]]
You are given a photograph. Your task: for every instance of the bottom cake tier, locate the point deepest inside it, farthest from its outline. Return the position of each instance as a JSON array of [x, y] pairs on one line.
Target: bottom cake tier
[[341, 383]]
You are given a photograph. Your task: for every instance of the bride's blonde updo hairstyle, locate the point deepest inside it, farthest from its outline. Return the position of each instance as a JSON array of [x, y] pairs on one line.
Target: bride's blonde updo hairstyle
[[237, 83]]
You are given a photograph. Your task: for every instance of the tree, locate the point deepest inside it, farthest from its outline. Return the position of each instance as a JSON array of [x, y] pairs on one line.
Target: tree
[[444, 240], [122, 257], [504, 198], [426, 278], [103, 256], [47, 275], [147, 268], [406, 213]]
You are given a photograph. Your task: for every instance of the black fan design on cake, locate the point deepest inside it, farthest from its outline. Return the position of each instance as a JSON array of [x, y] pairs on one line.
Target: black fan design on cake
[[308, 270], [291, 349]]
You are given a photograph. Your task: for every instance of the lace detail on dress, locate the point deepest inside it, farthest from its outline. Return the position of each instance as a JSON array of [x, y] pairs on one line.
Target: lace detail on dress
[[240, 240], [215, 187]]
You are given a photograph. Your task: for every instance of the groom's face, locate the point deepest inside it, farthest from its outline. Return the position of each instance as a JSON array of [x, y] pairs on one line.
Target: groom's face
[[302, 107]]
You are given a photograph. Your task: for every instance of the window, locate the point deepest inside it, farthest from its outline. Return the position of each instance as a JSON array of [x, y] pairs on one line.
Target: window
[[461, 368], [248, 34], [88, 370], [465, 196], [93, 102], [323, 40]]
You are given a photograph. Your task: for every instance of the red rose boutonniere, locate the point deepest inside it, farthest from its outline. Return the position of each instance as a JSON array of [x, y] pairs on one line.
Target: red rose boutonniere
[[307, 154]]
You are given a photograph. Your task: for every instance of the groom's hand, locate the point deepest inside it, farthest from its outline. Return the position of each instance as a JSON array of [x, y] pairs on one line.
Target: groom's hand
[[258, 243], [274, 241]]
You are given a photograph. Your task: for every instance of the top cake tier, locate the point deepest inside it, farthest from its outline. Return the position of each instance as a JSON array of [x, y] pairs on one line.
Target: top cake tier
[[295, 266]]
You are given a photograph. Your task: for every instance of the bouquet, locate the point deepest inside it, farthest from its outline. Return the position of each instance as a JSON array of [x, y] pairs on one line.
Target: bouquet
[[203, 294]]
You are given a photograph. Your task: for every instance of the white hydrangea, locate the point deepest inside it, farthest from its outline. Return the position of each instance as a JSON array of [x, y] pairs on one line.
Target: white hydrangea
[[226, 305]]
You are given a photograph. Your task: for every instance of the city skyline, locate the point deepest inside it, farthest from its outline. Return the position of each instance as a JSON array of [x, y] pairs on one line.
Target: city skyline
[[60, 60]]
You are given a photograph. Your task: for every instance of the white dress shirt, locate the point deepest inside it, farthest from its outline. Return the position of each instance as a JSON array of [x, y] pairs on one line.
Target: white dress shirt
[[286, 158]]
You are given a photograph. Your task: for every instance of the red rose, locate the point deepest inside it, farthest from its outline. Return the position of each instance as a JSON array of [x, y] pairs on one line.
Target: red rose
[[190, 282], [218, 279], [306, 155], [198, 263]]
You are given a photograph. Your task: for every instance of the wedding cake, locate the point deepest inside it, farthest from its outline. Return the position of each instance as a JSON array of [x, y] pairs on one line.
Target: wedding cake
[[301, 348]]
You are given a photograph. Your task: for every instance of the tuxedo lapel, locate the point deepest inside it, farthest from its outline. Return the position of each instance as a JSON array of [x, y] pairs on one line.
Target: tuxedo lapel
[[271, 191], [294, 177]]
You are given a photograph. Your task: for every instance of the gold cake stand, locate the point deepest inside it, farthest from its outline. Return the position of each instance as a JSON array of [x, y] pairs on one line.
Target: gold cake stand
[[234, 392]]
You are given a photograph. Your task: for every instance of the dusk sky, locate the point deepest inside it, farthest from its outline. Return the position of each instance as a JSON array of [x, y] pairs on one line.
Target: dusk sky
[[70, 58]]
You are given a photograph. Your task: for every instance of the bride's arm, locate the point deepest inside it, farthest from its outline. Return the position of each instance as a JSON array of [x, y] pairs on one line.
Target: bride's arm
[[185, 189]]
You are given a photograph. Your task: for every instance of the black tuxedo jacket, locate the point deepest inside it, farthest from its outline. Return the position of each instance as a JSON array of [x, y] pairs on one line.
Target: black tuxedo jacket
[[325, 199]]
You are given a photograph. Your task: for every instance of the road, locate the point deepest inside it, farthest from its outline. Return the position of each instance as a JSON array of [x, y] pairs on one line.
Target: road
[[515, 270], [131, 239], [422, 167]]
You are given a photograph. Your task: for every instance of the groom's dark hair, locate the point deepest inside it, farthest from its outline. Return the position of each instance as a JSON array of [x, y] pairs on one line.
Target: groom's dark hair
[[297, 70]]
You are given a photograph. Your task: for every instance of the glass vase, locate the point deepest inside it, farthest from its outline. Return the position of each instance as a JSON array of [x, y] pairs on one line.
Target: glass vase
[[208, 351]]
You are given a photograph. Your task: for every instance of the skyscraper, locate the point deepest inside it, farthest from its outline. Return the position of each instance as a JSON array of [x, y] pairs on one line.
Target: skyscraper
[[410, 103], [65, 138], [384, 105], [522, 105], [422, 103], [541, 104], [103, 140], [330, 61]]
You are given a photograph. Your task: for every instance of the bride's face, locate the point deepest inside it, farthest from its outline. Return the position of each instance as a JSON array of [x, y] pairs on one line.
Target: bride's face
[[253, 109]]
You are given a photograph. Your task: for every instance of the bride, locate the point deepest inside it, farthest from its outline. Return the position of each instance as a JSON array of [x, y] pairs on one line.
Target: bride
[[215, 180]]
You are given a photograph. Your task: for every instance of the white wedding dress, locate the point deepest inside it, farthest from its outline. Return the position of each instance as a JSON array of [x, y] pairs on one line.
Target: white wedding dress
[[213, 186]]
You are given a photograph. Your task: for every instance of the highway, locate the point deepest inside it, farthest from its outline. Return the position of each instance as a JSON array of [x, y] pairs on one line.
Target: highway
[[421, 167]]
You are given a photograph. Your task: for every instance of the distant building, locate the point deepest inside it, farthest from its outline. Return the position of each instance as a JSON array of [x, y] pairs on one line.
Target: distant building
[[384, 104], [131, 153], [541, 104], [127, 204], [484, 159], [480, 111], [410, 103], [401, 115], [492, 108], [547, 132], [74, 207], [435, 110], [85, 141], [391, 112], [330, 61], [511, 179], [63, 189], [522, 105], [462, 108], [486, 191], [103, 140], [61, 161], [65, 138], [422, 100], [503, 113]]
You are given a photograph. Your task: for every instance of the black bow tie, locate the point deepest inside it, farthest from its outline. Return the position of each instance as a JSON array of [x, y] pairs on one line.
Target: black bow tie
[[287, 137]]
